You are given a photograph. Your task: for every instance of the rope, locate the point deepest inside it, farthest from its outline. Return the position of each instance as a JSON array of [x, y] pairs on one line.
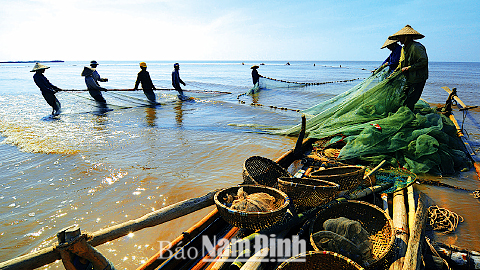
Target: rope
[[442, 219], [262, 105], [434, 251], [314, 83]]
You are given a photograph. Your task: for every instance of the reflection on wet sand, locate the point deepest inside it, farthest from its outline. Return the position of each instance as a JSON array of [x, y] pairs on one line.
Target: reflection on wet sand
[[151, 115]]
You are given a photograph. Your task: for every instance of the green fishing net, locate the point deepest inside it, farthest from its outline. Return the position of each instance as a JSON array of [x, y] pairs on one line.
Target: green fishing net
[[376, 127]]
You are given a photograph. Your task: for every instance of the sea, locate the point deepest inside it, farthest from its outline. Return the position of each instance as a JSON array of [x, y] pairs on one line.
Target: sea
[[97, 167]]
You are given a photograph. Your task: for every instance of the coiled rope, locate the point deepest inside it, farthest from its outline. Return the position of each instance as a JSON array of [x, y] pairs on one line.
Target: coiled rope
[[442, 219]]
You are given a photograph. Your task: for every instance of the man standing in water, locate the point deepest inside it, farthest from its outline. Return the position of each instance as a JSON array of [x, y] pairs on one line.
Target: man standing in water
[[413, 63], [143, 77], [255, 75], [48, 89], [176, 81], [91, 80]]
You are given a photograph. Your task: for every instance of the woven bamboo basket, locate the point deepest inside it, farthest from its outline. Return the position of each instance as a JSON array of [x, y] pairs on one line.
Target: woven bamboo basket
[[319, 260], [348, 177], [262, 171], [373, 219], [308, 192], [252, 220]]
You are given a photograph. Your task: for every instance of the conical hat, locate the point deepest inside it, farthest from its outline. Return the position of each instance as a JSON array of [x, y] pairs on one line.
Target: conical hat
[[38, 66], [407, 31], [388, 42]]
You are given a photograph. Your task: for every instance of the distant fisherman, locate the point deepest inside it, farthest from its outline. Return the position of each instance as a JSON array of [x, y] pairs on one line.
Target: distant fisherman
[[91, 80], [143, 77], [48, 89], [176, 81], [255, 75]]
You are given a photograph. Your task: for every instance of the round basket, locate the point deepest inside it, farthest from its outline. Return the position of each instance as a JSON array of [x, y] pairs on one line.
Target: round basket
[[373, 219], [319, 260], [252, 220], [262, 171], [348, 177], [308, 192]]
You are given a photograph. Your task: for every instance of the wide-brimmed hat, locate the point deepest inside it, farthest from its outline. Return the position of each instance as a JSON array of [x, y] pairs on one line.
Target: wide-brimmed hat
[[38, 66], [254, 67], [143, 64], [93, 62], [407, 31], [388, 42]]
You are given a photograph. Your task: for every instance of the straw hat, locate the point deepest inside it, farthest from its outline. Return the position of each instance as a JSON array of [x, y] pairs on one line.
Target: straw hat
[[143, 64], [254, 67], [38, 66], [407, 31], [388, 42]]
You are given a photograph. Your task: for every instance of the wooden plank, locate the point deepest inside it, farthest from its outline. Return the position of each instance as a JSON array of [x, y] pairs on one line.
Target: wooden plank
[[49, 255]]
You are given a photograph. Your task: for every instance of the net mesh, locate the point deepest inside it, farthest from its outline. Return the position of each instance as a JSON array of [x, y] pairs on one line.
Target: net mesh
[[378, 127]]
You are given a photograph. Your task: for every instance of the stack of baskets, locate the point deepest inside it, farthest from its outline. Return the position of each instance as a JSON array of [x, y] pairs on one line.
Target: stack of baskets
[[373, 219], [307, 192], [348, 177]]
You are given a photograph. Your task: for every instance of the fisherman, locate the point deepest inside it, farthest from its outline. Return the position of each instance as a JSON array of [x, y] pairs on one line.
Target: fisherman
[[176, 81], [413, 63], [143, 77], [394, 57], [91, 80], [48, 89], [255, 75]]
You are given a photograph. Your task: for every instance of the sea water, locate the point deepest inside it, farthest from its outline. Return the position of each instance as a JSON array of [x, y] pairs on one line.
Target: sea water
[[98, 167]]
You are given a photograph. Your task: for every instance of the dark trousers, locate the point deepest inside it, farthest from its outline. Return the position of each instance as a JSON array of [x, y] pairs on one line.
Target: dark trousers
[[51, 100], [412, 92], [97, 95], [150, 95]]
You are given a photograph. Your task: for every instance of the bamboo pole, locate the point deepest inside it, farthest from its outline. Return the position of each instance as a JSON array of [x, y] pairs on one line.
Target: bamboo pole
[[411, 208], [384, 197], [49, 255], [413, 255], [255, 262], [401, 229]]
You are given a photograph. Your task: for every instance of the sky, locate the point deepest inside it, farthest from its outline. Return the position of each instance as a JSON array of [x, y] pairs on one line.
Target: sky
[[319, 30]]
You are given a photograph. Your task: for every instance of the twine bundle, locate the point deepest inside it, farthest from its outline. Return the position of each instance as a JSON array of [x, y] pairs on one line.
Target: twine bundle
[[442, 219]]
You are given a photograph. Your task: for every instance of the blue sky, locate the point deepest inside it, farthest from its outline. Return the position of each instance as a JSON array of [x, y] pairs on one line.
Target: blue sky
[[233, 30]]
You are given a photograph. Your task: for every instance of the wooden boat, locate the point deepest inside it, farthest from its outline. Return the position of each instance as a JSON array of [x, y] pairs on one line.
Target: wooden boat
[[214, 227]]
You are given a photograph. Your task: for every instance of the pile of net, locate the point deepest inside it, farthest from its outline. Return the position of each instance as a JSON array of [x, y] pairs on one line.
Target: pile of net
[[375, 126], [255, 202], [346, 237]]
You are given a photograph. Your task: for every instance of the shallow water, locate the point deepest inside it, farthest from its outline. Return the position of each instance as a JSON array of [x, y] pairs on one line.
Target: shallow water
[[99, 168]]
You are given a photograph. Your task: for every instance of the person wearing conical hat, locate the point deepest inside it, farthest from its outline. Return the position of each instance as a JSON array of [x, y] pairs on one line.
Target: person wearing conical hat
[[47, 88], [255, 75], [91, 80], [143, 77], [413, 64], [394, 57]]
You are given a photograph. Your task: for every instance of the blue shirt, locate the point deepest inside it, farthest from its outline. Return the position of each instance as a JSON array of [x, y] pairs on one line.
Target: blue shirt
[[393, 58], [176, 79]]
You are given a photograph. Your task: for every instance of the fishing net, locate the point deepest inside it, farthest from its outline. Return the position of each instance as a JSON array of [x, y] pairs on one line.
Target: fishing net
[[377, 127], [270, 83]]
